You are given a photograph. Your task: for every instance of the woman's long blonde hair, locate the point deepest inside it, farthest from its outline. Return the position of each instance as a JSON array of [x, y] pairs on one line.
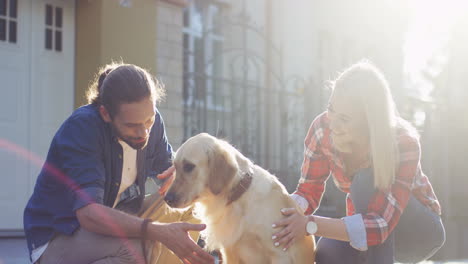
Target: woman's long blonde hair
[[368, 86]]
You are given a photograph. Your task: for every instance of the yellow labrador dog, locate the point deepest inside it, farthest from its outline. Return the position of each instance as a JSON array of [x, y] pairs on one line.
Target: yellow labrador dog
[[237, 200]]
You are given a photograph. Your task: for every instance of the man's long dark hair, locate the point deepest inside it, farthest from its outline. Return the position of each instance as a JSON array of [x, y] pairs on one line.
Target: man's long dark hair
[[118, 83]]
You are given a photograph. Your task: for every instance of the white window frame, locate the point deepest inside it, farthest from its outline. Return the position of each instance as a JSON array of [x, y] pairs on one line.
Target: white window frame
[[54, 28], [9, 19], [200, 22]]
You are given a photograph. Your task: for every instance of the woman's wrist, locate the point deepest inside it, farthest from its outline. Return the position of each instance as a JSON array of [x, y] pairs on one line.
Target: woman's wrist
[[311, 225]]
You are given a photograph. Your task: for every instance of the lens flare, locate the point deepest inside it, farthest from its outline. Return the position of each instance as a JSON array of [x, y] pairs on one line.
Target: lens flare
[[35, 160]]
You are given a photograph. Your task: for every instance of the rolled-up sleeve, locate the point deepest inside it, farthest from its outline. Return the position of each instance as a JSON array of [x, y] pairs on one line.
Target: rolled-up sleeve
[[356, 231], [82, 169]]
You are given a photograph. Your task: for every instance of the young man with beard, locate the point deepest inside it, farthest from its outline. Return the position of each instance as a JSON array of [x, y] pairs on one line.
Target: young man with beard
[[92, 184]]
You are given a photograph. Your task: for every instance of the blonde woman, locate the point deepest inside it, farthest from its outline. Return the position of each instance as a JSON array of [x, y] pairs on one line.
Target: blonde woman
[[373, 155]]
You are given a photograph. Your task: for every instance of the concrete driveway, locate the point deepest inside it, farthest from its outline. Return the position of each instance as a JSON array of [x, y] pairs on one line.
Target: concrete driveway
[[14, 251]]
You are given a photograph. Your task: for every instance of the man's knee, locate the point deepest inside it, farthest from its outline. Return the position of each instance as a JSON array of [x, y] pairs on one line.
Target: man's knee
[[131, 251], [88, 247]]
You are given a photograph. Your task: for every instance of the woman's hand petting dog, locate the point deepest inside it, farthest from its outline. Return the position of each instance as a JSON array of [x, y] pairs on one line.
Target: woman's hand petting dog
[[293, 228], [176, 238]]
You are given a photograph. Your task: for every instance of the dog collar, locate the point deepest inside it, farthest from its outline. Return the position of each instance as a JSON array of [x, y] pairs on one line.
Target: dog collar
[[240, 188]]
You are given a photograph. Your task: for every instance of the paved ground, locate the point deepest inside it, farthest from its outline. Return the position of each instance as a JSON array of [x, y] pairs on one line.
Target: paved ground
[[14, 251]]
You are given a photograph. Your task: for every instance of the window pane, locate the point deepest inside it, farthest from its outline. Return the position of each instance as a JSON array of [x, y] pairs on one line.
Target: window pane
[[48, 38], [217, 20], [49, 15], [58, 17], [13, 8], [200, 82], [186, 68], [2, 29], [58, 40], [3, 7], [12, 32], [217, 58], [185, 93]]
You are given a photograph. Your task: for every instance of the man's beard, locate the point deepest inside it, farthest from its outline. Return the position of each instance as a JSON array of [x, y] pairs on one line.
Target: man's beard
[[130, 140], [135, 145]]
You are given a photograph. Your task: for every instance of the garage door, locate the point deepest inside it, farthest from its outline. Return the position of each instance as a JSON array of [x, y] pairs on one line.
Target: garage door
[[36, 94]]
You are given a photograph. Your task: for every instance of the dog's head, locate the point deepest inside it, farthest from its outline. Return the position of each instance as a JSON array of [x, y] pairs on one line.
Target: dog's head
[[203, 164]]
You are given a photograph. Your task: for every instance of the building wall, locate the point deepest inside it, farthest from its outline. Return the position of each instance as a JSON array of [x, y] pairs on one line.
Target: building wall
[[129, 33], [169, 61], [107, 31], [88, 43]]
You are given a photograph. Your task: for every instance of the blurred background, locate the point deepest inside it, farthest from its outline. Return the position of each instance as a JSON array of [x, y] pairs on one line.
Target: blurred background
[[252, 72]]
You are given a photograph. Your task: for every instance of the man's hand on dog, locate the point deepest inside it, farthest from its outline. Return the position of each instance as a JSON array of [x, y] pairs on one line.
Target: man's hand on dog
[[168, 176], [175, 237], [293, 227]]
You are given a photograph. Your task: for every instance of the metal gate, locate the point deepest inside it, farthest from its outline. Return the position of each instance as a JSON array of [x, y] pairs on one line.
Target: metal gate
[[234, 88]]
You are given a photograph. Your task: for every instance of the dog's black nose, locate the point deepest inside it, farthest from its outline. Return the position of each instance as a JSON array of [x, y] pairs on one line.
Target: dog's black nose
[[170, 198]]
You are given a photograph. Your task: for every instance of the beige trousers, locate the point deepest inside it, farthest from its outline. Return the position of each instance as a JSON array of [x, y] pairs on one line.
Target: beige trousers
[[87, 247], [157, 210]]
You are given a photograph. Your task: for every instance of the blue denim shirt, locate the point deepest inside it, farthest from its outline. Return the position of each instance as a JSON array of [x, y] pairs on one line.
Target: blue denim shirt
[[83, 166]]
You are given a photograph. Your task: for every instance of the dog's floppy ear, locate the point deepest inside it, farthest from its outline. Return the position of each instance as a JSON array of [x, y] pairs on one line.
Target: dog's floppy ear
[[222, 169]]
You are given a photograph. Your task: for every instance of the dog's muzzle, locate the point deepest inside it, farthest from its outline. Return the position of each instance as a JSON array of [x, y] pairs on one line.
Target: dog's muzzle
[[171, 199]]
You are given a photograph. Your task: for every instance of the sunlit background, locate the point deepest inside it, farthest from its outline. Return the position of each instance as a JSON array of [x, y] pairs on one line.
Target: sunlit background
[[427, 48], [255, 72]]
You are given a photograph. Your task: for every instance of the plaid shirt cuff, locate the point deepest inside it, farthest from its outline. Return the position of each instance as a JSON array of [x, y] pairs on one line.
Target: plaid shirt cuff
[[356, 231]]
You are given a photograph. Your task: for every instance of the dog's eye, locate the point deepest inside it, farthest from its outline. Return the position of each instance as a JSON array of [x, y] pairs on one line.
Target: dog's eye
[[188, 167]]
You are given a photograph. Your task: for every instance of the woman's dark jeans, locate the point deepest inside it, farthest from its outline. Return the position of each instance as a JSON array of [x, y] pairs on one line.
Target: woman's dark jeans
[[418, 235]]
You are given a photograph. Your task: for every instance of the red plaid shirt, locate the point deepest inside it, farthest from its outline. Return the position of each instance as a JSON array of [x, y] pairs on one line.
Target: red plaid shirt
[[321, 160]]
